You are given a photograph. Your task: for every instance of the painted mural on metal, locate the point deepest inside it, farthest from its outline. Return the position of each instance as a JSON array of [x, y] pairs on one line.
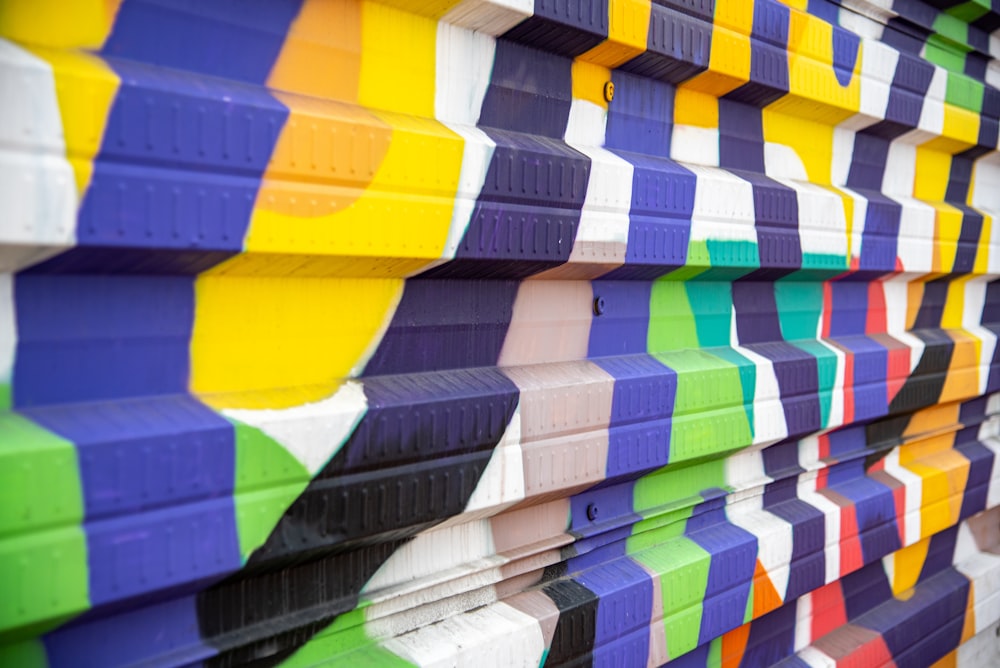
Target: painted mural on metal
[[499, 332]]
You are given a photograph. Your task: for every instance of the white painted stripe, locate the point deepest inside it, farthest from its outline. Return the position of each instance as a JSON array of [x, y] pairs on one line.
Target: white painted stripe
[[490, 17], [38, 199], [495, 636], [8, 328], [803, 621], [723, 206], [314, 432], [604, 221], [464, 64]]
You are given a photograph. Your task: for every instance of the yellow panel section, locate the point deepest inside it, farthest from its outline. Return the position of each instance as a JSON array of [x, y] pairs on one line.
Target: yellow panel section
[[954, 305], [85, 89], [696, 100], [628, 31], [907, 564], [937, 418], [692, 107], [588, 82], [961, 125], [61, 24], [932, 168], [257, 334], [962, 381], [398, 59], [321, 55], [944, 472], [405, 212], [812, 141], [814, 90]]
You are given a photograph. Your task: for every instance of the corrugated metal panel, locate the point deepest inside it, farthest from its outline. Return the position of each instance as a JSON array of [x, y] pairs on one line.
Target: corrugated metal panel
[[499, 332]]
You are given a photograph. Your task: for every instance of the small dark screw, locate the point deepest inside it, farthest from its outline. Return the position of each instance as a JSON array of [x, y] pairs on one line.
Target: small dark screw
[[599, 306], [591, 512]]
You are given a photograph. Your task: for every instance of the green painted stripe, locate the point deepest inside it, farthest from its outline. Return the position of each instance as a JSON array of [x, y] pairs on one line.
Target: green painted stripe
[[43, 549], [268, 480], [344, 642]]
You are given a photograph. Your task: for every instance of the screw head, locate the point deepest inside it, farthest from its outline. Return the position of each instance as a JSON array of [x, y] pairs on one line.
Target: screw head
[[599, 305], [609, 91], [591, 512]]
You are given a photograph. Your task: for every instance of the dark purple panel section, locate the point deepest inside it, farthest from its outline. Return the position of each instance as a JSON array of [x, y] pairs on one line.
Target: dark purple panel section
[[678, 46], [623, 326], [935, 610], [157, 479], [177, 175], [772, 638], [412, 462], [849, 307], [625, 600], [527, 213], [643, 401], [530, 91], [231, 39], [733, 557], [864, 589], [88, 338], [659, 219], [568, 27], [445, 324], [640, 119], [163, 630]]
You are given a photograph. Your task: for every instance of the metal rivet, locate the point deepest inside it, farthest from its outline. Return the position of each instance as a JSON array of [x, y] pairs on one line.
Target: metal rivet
[[592, 512], [609, 91], [598, 305]]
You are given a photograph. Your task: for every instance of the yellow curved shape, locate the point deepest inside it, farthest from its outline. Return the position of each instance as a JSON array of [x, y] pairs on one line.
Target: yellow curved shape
[[60, 24], [328, 247]]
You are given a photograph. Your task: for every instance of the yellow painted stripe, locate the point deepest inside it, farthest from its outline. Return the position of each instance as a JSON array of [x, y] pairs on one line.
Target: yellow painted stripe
[[61, 24]]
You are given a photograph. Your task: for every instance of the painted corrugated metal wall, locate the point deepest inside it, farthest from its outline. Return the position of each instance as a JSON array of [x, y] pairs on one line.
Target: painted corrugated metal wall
[[499, 333]]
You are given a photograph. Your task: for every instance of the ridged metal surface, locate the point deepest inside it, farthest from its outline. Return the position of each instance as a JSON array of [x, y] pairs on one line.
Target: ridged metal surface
[[391, 333]]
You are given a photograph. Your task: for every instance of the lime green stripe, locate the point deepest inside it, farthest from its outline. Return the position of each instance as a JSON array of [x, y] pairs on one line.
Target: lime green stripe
[[27, 654], [43, 549], [268, 480], [344, 643]]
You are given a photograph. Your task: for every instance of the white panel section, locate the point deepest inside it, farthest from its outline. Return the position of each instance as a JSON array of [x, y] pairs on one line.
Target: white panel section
[[496, 636], [822, 219], [993, 444], [803, 621], [37, 187], [312, 433], [816, 658], [604, 217], [782, 162], [831, 523], [774, 538], [723, 206], [983, 569], [980, 651], [693, 145], [900, 168], [438, 552], [8, 328], [932, 112], [878, 67], [502, 483], [915, 245], [464, 65], [491, 17], [769, 424]]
